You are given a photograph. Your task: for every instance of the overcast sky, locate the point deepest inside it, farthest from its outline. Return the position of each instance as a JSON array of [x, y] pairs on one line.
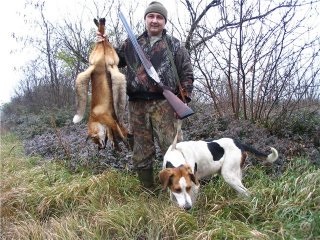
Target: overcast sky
[[9, 20], [12, 21]]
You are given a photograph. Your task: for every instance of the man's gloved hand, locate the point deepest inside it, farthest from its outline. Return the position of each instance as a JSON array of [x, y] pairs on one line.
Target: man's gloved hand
[[100, 37], [184, 95]]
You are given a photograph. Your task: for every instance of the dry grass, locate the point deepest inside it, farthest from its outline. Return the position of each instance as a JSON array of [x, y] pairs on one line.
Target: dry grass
[[43, 200]]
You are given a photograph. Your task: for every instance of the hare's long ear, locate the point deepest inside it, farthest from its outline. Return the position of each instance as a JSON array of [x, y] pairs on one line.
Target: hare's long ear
[[96, 22], [102, 21]]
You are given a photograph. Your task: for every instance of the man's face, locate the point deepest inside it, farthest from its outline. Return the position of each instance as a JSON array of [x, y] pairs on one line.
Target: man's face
[[155, 23]]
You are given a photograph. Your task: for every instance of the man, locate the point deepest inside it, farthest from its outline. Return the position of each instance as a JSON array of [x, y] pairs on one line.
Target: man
[[150, 115]]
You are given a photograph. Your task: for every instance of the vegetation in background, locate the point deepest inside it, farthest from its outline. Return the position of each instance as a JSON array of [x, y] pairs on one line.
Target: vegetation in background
[[254, 60], [44, 200], [27, 124]]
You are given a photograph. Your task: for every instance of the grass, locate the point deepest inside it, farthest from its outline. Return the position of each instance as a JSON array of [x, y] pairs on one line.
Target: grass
[[44, 200]]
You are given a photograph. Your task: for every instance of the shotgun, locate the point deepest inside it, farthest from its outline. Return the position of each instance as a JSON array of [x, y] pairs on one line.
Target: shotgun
[[181, 109]]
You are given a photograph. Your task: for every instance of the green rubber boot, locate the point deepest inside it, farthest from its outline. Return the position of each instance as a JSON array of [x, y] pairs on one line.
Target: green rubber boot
[[145, 177]]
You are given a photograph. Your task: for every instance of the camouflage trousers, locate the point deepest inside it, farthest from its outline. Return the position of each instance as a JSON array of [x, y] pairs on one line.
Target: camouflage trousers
[[151, 119]]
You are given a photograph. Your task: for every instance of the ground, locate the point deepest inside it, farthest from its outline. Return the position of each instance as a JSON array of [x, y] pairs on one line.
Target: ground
[[68, 144]]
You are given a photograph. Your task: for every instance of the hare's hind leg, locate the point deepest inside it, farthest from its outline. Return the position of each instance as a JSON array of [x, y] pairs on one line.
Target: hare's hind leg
[[82, 85]]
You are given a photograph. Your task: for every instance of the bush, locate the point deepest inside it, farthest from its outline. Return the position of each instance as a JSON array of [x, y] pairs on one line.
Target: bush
[[300, 123], [28, 124]]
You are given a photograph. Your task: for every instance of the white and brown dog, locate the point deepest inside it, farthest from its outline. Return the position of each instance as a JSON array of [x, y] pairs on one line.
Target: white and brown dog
[[186, 162]]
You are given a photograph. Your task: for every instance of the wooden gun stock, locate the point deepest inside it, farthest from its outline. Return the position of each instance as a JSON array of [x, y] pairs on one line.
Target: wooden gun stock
[[182, 110]]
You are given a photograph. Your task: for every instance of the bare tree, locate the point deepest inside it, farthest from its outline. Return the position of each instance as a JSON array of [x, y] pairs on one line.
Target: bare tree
[[252, 59], [254, 50]]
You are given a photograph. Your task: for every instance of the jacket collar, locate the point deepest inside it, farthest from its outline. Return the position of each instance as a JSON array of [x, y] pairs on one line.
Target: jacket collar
[[145, 34]]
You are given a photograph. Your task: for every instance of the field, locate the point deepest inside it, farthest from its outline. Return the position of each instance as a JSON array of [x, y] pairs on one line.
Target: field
[[44, 200]]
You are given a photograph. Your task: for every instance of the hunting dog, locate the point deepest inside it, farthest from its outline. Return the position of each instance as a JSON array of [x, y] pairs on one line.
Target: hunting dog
[[186, 162], [108, 93]]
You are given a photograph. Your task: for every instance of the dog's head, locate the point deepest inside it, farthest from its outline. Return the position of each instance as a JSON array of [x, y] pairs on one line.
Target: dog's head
[[98, 134], [182, 183]]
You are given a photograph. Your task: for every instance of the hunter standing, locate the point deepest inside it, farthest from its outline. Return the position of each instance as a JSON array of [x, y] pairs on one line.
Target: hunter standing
[[150, 115]]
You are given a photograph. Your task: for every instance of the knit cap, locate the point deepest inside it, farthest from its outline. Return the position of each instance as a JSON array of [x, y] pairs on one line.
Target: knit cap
[[157, 8]]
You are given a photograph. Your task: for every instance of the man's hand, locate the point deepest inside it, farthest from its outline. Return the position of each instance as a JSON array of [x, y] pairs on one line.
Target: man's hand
[[184, 95], [100, 37]]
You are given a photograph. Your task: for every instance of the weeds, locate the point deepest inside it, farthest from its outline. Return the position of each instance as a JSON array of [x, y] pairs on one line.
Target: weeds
[[43, 200]]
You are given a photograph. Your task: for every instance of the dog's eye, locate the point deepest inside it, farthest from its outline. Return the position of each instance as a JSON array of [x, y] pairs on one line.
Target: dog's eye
[[188, 188], [177, 190]]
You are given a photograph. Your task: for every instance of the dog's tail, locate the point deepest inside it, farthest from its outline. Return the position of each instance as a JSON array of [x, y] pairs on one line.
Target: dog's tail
[[273, 156], [175, 140]]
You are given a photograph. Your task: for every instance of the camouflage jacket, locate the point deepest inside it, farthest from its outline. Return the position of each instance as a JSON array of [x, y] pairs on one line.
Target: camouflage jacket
[[139, 84]]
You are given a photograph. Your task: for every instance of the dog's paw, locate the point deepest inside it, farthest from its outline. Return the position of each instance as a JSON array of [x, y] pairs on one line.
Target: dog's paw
[[245, 194], [77, 118]]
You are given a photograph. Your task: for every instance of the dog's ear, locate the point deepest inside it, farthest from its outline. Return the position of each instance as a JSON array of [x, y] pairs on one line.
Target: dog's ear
[[193, 176], [169, 165], [164, 177]]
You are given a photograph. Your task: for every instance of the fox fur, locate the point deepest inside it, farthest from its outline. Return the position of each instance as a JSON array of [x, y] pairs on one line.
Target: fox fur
[[108, 93]]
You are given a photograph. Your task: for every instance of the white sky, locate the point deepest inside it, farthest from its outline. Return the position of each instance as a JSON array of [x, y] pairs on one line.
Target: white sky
[[9, 21], [12, 22], [59, 10]]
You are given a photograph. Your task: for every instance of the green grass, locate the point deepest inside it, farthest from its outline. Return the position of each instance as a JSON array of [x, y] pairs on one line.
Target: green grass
[[44, 200]]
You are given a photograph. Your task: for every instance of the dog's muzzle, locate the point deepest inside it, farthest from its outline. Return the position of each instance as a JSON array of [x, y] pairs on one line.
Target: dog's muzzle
[[187, 206]]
